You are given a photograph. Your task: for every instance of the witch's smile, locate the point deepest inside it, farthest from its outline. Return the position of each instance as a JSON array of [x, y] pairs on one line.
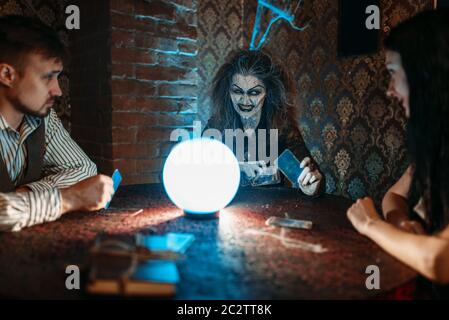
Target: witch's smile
[[246, 108], [247, 94]]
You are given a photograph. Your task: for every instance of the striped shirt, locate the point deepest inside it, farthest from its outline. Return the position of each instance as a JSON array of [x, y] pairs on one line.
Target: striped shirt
[[64, 165], [24, 209]]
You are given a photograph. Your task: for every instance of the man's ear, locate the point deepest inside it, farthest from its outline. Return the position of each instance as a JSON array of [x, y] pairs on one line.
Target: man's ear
[[7, 74]]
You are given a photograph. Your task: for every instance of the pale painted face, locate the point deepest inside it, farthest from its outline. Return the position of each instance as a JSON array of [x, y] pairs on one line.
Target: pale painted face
[[398, 87], [247, 94]]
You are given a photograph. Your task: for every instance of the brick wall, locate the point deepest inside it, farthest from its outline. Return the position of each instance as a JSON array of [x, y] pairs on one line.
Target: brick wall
[[136, 81]]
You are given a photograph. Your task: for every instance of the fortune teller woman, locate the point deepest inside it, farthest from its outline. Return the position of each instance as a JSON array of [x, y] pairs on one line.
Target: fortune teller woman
[[252, 95]]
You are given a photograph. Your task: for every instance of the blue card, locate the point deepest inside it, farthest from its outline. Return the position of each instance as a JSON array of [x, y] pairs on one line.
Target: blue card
[[289, 166], [177, 242], [157, 271], [116, 179]]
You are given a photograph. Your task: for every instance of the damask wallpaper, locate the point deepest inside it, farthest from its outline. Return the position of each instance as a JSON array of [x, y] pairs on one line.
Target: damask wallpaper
[[52, 13], [220, 31], [352, 129]]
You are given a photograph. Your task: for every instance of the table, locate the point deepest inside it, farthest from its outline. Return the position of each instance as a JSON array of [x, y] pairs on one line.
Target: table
[[233, 257]]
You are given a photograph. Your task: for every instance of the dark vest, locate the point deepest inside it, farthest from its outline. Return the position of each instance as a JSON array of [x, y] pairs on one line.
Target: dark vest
[[35, 144]]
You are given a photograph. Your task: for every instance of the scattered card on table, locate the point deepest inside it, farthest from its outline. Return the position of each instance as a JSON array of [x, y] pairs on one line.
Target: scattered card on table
[[177, 242], [289, 223]]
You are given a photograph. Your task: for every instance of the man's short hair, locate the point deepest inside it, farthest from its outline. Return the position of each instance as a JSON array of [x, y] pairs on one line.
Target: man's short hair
[[20, 36]]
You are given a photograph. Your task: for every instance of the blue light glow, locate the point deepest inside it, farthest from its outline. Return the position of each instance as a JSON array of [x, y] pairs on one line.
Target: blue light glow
[[201, 175], [277, 14]]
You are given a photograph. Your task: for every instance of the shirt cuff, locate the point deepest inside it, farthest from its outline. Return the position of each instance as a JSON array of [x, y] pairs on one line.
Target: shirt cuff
[[45, 206]]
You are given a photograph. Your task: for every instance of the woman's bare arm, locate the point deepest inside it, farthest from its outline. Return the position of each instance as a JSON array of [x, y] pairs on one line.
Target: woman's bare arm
[[394, 203], [429, 255]]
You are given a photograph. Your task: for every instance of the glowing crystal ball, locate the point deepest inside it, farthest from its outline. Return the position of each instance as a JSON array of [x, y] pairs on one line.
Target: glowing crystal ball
[[201, 176]]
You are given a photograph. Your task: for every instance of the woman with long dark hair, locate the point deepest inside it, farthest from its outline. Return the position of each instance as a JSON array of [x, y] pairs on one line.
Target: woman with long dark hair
[[416, 208], [251, 92]]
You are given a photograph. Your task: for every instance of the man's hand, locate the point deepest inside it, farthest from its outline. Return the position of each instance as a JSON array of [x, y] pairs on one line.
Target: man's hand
[[90, 194], [362, 214], [310, 178]]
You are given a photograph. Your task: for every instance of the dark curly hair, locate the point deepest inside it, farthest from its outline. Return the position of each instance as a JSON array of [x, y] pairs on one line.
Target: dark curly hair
[[21, 35], [423, 43], [279, 107]]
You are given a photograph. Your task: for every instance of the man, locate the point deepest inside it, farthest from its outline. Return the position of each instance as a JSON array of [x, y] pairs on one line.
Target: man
[[41, 167]]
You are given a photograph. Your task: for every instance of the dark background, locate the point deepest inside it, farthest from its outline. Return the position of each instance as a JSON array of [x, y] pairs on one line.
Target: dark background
[[354, 38], [442, 3]]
